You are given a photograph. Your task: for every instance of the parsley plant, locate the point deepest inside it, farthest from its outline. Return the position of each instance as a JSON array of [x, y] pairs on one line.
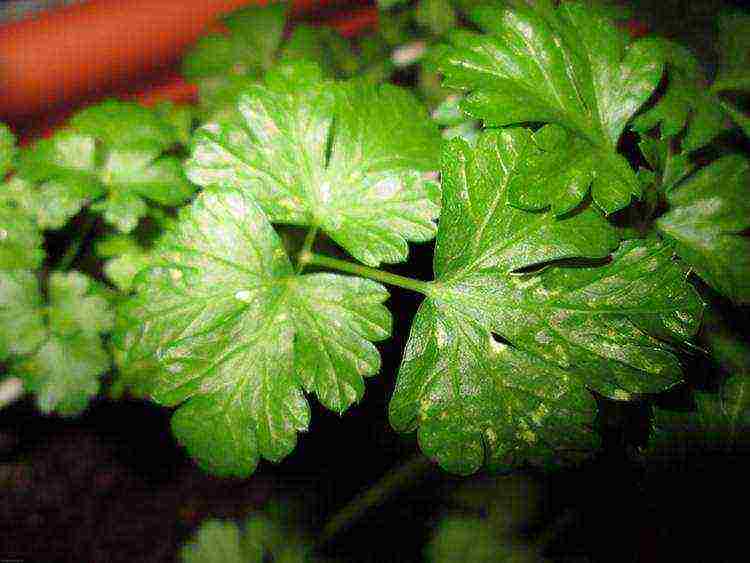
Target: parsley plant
[[591, 209]]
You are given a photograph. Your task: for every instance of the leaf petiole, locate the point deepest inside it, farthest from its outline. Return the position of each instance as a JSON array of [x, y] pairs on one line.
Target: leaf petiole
[[731, 83], [306, 258], [75, 248], [397, 479], [306, 248]]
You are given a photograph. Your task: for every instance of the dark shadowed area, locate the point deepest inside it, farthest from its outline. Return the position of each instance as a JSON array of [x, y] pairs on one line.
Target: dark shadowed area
[[114, 486]]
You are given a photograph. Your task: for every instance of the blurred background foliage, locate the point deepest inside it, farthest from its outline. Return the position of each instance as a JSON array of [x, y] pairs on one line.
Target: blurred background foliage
[[112, 485]]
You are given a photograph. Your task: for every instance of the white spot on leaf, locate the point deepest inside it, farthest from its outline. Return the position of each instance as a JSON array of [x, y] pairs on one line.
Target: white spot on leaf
[[542, 337], [244, 296]]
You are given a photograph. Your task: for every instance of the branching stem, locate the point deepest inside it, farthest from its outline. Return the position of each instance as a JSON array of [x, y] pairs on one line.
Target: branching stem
[[307, 247], [736, 114], [737, 83], [312, 259], [409, 473], [75, 248]]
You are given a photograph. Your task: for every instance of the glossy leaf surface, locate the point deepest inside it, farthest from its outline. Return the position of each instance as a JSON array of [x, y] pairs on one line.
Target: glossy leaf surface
[[348, 158], [498, 365], [239, 335], [63, 371], [571, 67], [686, 102], [113, 153], [707, 222]]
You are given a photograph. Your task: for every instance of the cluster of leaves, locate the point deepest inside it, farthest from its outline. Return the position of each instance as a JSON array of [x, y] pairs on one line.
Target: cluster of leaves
[[238, 332], [113, 167], [517, 73], [254, 41], [563, 272], [270, 535], [488, 521], [411, 33], [414, 32], [523, 320]]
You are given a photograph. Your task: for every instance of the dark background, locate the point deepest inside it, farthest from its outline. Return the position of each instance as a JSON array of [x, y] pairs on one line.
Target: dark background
[[113, 485]]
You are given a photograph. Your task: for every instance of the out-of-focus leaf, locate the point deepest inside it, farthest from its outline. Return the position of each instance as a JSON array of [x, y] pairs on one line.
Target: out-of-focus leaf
[[707, 222]]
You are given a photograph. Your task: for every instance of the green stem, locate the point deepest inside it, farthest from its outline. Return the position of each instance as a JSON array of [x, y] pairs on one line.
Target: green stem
[[307, 246], [404, 475], [309, 258], [72, 253], [740, 118], [730, 83]]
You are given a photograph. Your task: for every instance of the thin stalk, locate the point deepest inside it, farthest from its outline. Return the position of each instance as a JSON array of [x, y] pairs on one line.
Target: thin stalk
[[309, 258], [737, 115], [75, 248], [307, 247], [407, 474], [731, 83]]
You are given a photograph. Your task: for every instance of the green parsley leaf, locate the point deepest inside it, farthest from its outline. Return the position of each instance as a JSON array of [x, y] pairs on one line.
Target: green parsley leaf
[[547, 179], [685, 103], [64, 371], [255, 34], [462, 538], [68, 157], [77, 306], [476, 399], [7, 150], [348, 158], [264, 537], [20, 305], [329, 360], [20, 239], [223, 64], [571, 67], [215, 541], [240, 335], [126, 259], [50, 205], [134, 379], [388, 4], [58, 176], [122, 124], [708, 217], [669, 167], [480, 181], [115, 149], [720, 419], [321, 45], [733, 75], [438, 16], [180, 116], [734, 52]]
